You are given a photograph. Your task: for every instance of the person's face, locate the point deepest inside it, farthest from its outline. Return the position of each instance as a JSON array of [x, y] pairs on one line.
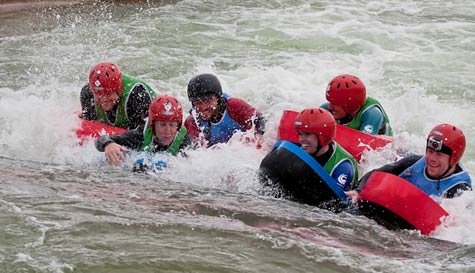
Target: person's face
[[308, 142], [165, 131], [337, 111], [206, 108], [436, 163], [107, 101]]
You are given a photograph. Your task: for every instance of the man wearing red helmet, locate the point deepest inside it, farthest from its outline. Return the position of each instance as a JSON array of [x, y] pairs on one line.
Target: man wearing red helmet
[[438, 173], [115, 98], [317, 129], [162, 132], [216, 116], [348, 103]]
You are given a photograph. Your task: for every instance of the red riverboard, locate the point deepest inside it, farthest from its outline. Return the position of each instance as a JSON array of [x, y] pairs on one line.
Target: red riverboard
[[403, 199], [94, 129], [353, 141]]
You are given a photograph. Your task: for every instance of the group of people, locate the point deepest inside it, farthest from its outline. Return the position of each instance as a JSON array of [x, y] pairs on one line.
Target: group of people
[[155, 124], [437, 173]]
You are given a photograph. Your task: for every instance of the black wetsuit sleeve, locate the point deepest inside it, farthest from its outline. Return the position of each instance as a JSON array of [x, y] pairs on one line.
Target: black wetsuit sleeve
[[88, 105], [132, 139], [137, 106], [395, 168], [457, 190], [260, 122]]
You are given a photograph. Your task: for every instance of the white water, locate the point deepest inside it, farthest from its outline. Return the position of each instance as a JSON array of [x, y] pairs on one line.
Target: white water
[[417, 58]]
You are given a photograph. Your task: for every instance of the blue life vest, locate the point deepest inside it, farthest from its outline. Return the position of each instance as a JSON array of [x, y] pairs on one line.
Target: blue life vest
[[221, 131], [416, 175]]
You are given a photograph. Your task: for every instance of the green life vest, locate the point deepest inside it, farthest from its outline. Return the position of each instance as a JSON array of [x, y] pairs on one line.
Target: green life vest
[[340, 154], [128, 83], [355, 123], [172, 149]]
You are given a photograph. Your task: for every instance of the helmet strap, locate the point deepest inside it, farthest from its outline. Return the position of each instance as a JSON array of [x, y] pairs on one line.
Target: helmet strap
[[320, 147], [346, 119], [153, 128], [220, 111]]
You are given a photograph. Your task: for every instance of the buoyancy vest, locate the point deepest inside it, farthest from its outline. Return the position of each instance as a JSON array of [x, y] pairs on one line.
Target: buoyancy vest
[[121, 120], [355, 123], [221, 131], [416, 175], [339, 155], [174, 147]]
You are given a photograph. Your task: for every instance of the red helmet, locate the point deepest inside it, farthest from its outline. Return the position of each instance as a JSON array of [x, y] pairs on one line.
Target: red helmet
[[105, 78], [317, 121], [447, 139], [346, 91], [165, 108]]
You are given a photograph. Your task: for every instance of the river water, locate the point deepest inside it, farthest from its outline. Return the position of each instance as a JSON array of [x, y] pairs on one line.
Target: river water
[[62, 209]]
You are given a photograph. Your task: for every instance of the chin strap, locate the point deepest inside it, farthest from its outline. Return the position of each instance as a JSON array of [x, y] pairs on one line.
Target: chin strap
[[442, 176], [346, 119], [319, 147]]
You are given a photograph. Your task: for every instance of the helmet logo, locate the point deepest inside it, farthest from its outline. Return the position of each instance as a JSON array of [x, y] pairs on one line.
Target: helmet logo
[[168, 107], [436, 132], [98, 87]]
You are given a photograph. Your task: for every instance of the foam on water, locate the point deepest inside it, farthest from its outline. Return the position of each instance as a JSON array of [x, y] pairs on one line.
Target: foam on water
[[416, 58]]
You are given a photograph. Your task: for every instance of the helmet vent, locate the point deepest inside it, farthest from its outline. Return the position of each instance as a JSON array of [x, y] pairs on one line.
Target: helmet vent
[[347, 85]]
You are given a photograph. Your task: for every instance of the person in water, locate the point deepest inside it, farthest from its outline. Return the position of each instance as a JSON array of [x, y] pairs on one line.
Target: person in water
[[162, 132], [115, 98], [348, 103], [316, 128], [215, 116], [437, 173]]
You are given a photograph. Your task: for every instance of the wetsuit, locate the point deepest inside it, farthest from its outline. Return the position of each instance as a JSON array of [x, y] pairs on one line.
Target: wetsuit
[[128, 113], [370, 118], [233, 115], [413, 169], [134, 139]]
